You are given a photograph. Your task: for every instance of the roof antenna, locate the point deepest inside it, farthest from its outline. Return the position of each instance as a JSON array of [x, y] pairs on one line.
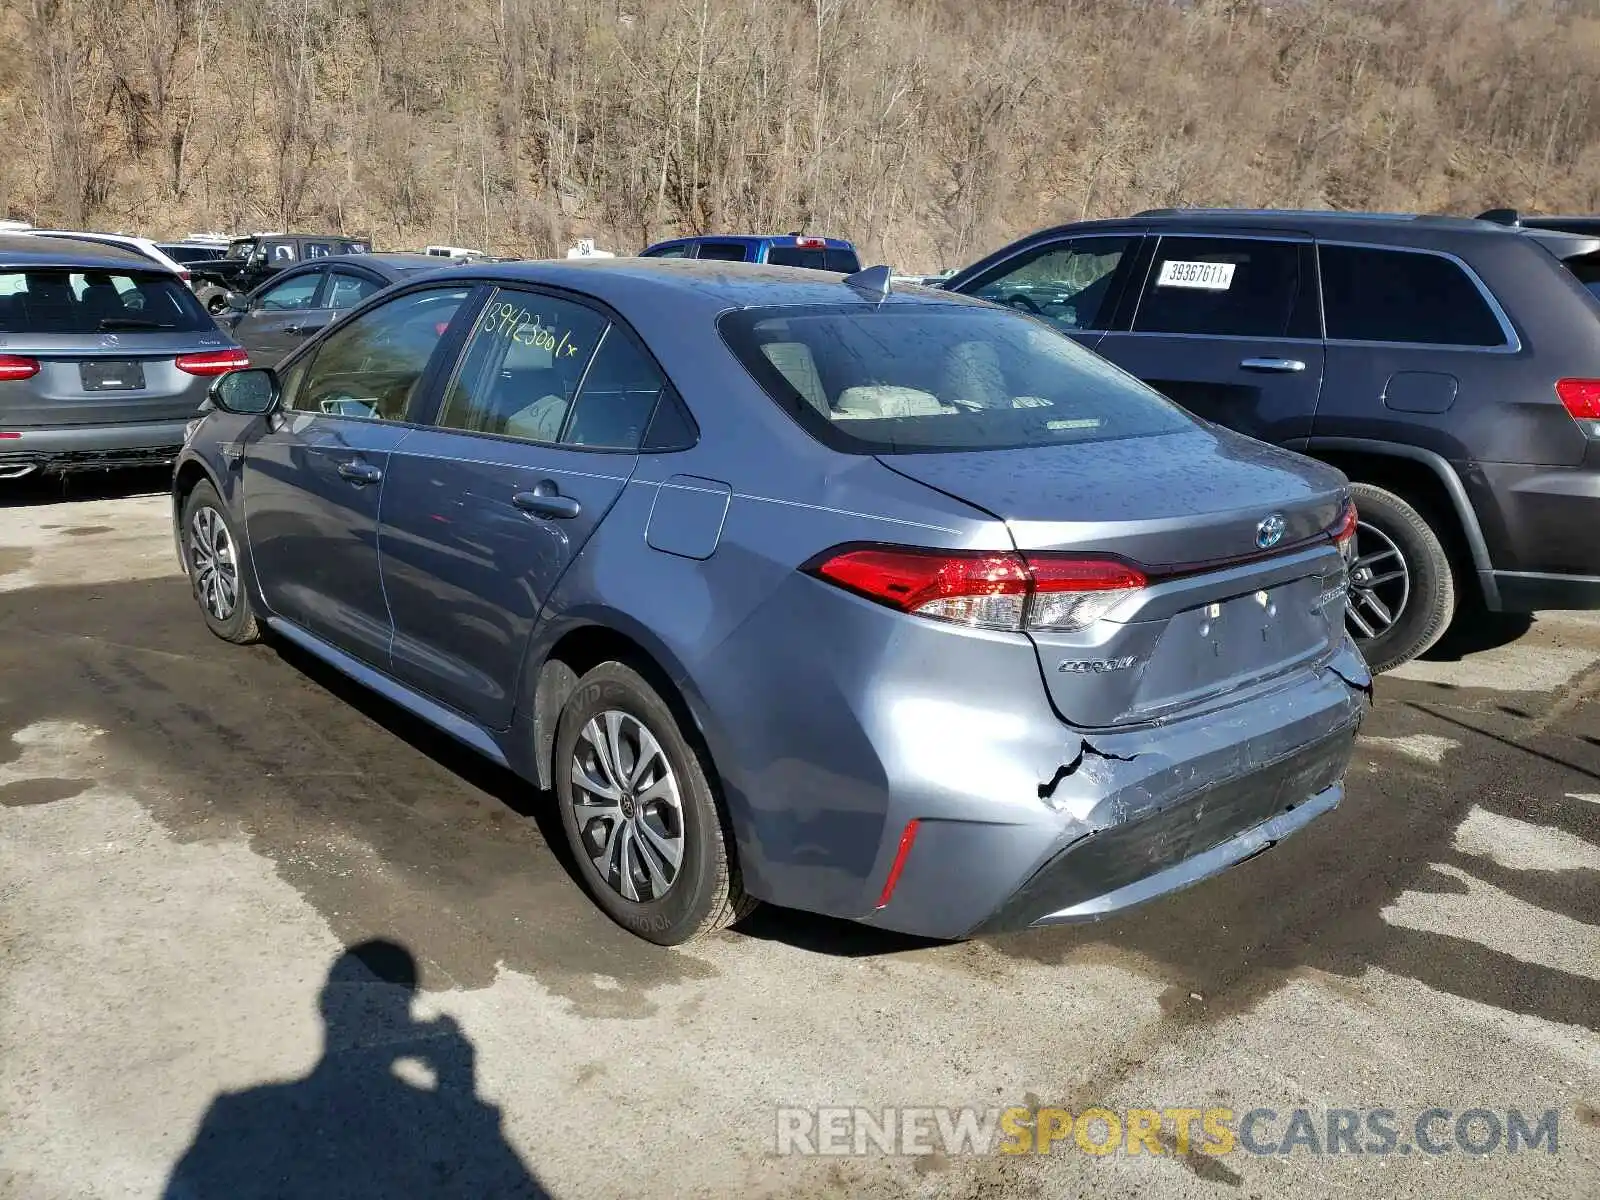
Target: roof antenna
[[871, 284]]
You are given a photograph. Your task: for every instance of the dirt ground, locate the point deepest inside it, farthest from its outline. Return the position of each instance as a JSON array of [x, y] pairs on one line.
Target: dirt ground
[[192, 834]]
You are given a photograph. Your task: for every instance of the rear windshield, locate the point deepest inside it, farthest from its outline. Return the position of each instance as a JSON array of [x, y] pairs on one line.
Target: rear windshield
[[61, 301], [911, 378], [192, 254], [844, 262], [1587, 269]]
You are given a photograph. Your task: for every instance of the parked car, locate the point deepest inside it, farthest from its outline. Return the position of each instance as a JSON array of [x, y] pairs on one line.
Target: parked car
[[143, 247], [454, 252], [104, 357], [791, 250], [296, 303], [1447, 366], [898, 607], [251, 261]]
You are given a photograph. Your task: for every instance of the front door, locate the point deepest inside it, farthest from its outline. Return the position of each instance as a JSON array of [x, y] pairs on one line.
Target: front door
[[1229, 328], [275, 325], [537, 436], [314, 475]]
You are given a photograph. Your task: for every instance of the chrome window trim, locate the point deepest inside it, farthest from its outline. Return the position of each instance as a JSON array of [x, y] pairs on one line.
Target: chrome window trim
[[1512, 344]]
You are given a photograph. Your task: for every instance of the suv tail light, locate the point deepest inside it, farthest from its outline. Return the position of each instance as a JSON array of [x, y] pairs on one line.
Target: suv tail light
[[213, 362], [985, 591], [14, 367], [1581, 397], [185, 276]]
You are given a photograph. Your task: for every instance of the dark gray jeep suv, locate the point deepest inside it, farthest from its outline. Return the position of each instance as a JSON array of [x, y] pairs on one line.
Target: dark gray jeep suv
[[1450, 367]]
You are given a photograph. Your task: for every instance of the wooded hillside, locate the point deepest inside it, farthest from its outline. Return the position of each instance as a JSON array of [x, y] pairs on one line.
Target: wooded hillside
[[927, 130]]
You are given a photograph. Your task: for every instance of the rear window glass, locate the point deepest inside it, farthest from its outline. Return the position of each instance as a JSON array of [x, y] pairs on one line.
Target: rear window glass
[[1587, 269], [191, 254], [57, 301], [844, 262], [1403, 296], [908, 378]]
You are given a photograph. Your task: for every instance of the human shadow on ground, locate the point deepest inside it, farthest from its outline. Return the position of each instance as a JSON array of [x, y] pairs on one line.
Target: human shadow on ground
[[390, 1110]]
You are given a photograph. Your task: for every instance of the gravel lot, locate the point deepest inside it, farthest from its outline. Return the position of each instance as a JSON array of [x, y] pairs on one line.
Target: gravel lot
[[191, 834]]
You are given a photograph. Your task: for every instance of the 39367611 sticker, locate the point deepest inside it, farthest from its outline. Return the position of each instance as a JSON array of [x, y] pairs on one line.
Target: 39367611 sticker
[[1207, 276]]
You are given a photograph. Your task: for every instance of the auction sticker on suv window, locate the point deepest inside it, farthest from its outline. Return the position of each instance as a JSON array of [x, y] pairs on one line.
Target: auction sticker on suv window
[[1213, 277]]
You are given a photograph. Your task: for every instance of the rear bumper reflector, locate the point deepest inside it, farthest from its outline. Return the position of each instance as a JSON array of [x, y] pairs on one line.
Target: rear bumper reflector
[[906, 840]]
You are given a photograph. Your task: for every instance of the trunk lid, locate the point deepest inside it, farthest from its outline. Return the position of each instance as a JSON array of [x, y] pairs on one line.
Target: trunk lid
[[82, 380], [1222, 616]]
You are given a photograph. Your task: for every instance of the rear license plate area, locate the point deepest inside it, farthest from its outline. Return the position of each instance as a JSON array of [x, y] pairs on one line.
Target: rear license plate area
[[109, 375]]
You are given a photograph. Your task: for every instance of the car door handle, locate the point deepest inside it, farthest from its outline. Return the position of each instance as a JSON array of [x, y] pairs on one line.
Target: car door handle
[[1285, 365], [358, 472], [545, 501]]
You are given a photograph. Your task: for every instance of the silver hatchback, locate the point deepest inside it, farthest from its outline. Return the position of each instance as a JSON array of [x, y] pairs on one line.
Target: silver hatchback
[[104, 357]]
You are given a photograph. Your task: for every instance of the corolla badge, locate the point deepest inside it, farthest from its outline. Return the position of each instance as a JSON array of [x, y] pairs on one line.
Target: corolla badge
[[1270, 532]]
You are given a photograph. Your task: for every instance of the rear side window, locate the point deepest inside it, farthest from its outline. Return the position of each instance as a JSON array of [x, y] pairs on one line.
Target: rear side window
[[722, 251], [843, 262], [62, 301], [904, 378], [1371, 295], [1229, 287]]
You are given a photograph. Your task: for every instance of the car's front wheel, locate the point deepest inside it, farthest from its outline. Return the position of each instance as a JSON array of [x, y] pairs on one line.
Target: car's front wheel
[[1402, 584], [212, 552], [640, 814]]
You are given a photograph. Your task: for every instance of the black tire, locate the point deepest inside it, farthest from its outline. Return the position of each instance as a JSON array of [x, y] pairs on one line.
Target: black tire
[[232, 623], [1386, 520], [704, 893]]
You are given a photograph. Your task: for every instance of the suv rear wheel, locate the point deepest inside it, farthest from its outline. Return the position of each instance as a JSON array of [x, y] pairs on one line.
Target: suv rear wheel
[[1402, 584]]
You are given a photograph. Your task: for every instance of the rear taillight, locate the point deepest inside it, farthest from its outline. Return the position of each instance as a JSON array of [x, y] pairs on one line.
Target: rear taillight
[[986, 591], [1343, 531], [185, 276], [1581, 398], [213, 362], [15, 366]]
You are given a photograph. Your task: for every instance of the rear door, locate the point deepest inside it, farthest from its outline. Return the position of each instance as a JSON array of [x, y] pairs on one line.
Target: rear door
[[537, 436], [1229, 328], [1073, 282], [314, 473]]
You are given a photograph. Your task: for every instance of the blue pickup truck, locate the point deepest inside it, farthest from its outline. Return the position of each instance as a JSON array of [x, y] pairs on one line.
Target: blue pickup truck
[[788, 250]]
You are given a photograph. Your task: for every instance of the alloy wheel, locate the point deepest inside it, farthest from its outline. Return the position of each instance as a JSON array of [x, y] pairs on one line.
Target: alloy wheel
[[627, 806], [212, 559], [1380, 583]]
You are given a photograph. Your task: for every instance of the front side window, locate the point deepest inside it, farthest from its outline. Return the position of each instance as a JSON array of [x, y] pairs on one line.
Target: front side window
[[521, 367], [1371, 295], [1067, 283], [64, 301], [294, 293], [370, 367], [904, 378], [1228, 287], [347, 291]]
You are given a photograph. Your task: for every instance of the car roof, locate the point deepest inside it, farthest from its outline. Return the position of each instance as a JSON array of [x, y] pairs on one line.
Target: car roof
[[832, 242], [27, 250], [710, 286]]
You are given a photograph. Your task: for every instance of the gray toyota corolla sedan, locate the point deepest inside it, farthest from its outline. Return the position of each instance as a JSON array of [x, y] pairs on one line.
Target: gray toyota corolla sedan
[[892, 605]]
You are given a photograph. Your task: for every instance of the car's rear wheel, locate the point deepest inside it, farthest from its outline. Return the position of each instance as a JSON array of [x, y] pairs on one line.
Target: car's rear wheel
[[1402, 583], [213, 555], [639, 812]]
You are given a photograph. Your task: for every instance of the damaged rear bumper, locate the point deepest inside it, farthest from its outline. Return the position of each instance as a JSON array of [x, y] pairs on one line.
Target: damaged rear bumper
[[1136, 814]]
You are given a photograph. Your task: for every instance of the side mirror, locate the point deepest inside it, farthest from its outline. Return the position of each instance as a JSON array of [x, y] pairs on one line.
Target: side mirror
[[238, 303], [247, 393]]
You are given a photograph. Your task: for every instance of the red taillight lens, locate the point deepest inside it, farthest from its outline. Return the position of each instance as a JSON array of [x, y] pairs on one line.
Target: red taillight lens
[[15, 366], [1581, 398], [987, 591], [1343, 531], [811, 243], [185, 276], [213, 362]]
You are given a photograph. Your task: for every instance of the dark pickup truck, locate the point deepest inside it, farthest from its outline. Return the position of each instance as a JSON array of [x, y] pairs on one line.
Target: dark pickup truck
[[251, 261]]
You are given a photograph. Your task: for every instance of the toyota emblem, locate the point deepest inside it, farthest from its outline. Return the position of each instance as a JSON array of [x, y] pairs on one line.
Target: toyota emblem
[[1270, 532]]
